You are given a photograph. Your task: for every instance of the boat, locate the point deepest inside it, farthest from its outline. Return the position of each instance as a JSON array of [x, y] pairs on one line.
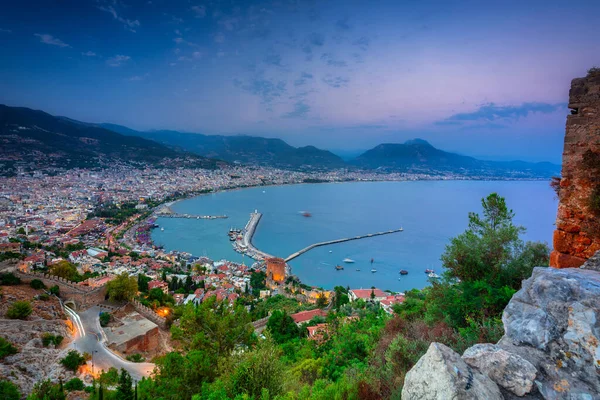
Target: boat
[[358, 269], [372, 261], [348, 260], [306, 214], [403, 272], [429, 271], [433, 275], [401, 229], [162, 229], [339, 267], [373, 270], [331, 251]]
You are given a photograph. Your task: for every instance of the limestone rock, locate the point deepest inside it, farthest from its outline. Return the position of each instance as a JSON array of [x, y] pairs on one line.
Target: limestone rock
[[442, 374], [509, 371], [554, 323], [593, 262]]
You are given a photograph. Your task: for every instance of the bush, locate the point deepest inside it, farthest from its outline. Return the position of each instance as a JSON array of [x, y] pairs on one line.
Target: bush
[[73, 360], [74, 384], [19, 310], [44, 297], [6, 348], [9, 391], [55, 290], [104, 319], [37, 284], [135, 358], [48, 339], [9, 279]]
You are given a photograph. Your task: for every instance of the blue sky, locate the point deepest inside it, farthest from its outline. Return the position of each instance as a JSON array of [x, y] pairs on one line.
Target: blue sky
[[483, 78]]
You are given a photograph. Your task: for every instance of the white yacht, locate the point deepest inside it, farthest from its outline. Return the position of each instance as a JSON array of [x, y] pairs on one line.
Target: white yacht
[[348, 260]]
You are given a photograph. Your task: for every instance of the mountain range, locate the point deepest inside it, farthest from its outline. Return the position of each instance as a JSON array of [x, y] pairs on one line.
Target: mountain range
[[30, 136]]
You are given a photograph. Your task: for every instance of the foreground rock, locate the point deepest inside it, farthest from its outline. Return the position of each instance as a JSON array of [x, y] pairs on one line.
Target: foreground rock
[[554, 323], [508, 370], [442, 374]]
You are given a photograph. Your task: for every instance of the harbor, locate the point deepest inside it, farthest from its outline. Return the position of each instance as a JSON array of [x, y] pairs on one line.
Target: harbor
[[167, 212]]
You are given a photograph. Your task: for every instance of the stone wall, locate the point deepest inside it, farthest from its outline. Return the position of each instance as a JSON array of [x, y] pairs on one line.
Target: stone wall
[[577, 234], [82, 296], [141, 343], [150, 314]]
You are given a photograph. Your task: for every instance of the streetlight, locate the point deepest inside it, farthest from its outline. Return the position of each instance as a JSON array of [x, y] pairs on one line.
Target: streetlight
[[93, 351]]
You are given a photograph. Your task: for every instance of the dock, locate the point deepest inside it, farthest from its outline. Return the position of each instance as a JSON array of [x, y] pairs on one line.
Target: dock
[[312, 246], [245, 246], [167, 212]]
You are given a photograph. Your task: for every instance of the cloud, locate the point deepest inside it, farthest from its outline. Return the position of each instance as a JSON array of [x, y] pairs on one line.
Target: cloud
[[492, 113], [328, 58], [266, 89], [200, 11], [130, 25], [5, 30], [300, 110], [219, 38], [117, 60], [51, 40], [362, 42], [343, 24], [89, 54], [336, 81], [304, 77]]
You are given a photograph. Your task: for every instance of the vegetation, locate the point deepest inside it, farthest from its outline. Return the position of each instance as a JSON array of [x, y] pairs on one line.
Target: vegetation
[[137, 358], [6, 348], [19, 310], [74, 384], [37, 284], [65, 270], [282, 327], [123, 287], [73, 360], [55, 290], [9, 279], [11, 256], [46, 390], [48, 339], [104, 319], [9, 391], [258, 282]]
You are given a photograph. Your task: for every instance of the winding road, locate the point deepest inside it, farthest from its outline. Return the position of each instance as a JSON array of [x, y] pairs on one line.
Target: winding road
[[89, 339]]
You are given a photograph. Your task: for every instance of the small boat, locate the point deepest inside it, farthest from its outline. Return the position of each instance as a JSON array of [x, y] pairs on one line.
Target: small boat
[[372, 261], [429, 271], [373, 270], [358, 269], [401, 229], [433, 275], [339, 267], [306, 214], [348, 260], [162, 229], [403, 272], [331, 251]]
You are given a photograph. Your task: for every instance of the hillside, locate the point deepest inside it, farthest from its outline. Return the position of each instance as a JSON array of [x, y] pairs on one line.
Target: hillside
[[40, 140], [420, 156], [244, 149]]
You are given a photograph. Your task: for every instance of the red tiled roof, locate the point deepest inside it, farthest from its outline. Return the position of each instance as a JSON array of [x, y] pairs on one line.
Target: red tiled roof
[[366, 293], [304, 316]]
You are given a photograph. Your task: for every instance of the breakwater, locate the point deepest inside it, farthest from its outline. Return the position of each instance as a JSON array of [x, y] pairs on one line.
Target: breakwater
[[244, 245], [191, 216]]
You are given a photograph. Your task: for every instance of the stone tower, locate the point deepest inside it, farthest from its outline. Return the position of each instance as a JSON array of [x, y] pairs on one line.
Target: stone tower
[[276, 269], [577, 234]]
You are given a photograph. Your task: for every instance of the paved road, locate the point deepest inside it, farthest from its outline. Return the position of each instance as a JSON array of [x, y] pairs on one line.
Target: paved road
[[89, 339]]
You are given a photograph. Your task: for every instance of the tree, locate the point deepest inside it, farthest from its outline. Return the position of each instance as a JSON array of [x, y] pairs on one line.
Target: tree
[[110, 377], [73, 360], [46, 390], [341, 297], [143, 282], [282, 327], [6, 348], [123, 287], [9, 279], [9, 391], [37, 284], [104, 319], [19, 310], [372, 293], [124, 388], [55, 290], [65, 270], [214, 326], [321, 300], [258, 282]]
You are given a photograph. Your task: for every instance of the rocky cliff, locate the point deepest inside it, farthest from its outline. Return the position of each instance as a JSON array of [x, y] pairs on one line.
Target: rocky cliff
[[577, 234], [550, 349]]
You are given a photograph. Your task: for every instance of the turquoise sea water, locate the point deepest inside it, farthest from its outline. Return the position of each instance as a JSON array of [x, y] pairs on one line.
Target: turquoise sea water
[[430, 212]]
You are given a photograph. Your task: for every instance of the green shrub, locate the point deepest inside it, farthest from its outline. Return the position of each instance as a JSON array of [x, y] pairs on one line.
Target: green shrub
[[55, 290], [104, 318], [74, 384], [19, 310], [44, 297], [6, 348], [135, 358], [73, 360], [48, 339], [37, 284], [9, 391], [9, 279]]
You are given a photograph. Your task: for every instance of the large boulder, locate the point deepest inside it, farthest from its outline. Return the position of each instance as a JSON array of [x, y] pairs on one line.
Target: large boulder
[[442, 374], [554, 323], [508, 370]]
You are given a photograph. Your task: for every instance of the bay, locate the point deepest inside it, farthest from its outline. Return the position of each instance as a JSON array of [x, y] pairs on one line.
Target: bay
[[430, 212]]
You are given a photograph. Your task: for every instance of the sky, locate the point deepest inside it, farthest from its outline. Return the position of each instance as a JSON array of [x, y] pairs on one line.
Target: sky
[[483, 78]]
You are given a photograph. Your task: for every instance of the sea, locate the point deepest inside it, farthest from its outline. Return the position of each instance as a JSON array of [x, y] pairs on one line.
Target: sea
[[430, 213]]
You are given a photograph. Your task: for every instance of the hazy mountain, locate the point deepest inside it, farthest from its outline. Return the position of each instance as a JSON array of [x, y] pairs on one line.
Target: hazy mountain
[[418, 155], [43, 140], [244, 149]]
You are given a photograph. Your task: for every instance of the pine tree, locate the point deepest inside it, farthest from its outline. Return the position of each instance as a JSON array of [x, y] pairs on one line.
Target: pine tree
[[124, 389]]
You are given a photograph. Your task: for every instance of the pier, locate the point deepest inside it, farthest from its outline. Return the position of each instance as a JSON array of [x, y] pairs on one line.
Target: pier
[[312, 246], [167, 212], [245, 244]]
